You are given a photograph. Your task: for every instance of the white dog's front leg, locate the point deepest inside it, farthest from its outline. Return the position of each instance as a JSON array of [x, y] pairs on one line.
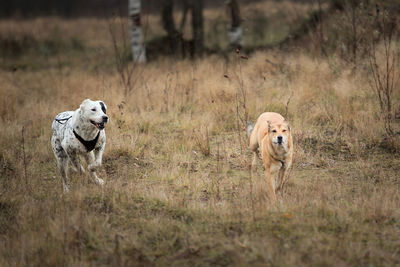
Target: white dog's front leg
[[75, 168], [98, 156], [62, 163], [75, 162], [94, 163]]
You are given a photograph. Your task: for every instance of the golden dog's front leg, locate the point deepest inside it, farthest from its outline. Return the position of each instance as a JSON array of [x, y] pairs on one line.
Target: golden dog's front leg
[[284, 173], [281, 178], [270, 183], [254, 162]]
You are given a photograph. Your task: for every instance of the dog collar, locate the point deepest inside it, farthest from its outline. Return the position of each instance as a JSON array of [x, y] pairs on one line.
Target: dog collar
[[90, 145], [281, 161]]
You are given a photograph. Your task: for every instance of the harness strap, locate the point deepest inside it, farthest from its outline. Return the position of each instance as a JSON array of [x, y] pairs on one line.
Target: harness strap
[[64, 120], [89, 145]]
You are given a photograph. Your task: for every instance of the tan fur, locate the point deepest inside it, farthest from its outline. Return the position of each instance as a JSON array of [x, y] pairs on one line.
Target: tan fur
[[263, 137]]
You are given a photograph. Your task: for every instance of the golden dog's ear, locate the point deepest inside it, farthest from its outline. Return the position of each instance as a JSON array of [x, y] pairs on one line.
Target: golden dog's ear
[[269, 126], [287, 124]]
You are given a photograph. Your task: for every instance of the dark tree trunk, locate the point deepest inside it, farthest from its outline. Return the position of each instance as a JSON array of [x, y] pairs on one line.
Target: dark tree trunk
[[174, 37], [235, 13], [167, 17], [197, 26]]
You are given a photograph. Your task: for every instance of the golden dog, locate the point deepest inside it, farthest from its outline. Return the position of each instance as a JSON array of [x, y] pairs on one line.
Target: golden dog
[[273, 136]]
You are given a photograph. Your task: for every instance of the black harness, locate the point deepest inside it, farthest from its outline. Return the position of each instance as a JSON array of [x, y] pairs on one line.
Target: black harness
[[62, 121], [89, 145]]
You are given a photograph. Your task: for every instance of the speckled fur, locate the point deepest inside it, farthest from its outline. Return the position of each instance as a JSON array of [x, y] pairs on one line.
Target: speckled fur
[[67, 148]]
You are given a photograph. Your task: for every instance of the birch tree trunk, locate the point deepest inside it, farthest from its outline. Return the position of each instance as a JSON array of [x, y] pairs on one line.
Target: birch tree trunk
[[235, 31], [137, 42]]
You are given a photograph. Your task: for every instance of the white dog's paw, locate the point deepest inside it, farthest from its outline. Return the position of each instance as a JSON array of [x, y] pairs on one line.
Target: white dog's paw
[[99, 181], [65, 188], [94, 166], [81, 169]]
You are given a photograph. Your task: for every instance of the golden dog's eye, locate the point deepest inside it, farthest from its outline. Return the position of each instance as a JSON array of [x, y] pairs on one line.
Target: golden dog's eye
[[274, 131], [283, 130]]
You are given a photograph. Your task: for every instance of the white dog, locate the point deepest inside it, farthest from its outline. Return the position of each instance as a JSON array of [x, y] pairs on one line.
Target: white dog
[[80, 132]]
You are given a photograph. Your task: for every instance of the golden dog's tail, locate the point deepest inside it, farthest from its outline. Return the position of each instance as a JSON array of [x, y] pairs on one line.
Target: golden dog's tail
[[249, 128]]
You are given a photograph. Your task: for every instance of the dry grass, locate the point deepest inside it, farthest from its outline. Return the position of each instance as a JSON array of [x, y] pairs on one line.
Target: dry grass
[[178, 190]]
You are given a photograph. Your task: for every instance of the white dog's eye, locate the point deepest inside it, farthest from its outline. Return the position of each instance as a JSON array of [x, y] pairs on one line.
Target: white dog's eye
[[93, 109]]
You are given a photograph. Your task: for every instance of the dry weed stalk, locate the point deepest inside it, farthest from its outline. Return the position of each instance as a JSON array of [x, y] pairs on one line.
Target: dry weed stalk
[[287, 105], [124, 69], [203, 141], [239, 130], [166, 91], [352, 13], [242, 113], [253, 209], [385, 75], [283, 189], [148, 95], [24, 159], [117, 251]]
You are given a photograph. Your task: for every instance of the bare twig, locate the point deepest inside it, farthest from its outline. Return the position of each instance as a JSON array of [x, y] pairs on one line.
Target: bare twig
[[24, 159], [287, 104], [238, 125], [124, 69], [241, 102], [384, 75], [253, 209]]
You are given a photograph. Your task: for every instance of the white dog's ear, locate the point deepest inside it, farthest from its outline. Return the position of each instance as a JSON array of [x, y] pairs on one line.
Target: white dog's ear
[[103, 107], [84, 103]]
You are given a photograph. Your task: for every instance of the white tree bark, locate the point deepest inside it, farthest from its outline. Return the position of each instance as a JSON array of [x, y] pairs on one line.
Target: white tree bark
[[137, 42], [235, 31], [235, 36]]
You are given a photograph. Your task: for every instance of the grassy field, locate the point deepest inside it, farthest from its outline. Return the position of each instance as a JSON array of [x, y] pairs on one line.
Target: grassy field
[[178, 186]]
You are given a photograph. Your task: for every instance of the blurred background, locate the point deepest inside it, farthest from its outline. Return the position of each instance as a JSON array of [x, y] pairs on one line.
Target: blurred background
[[76, 8], [188, 28]]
